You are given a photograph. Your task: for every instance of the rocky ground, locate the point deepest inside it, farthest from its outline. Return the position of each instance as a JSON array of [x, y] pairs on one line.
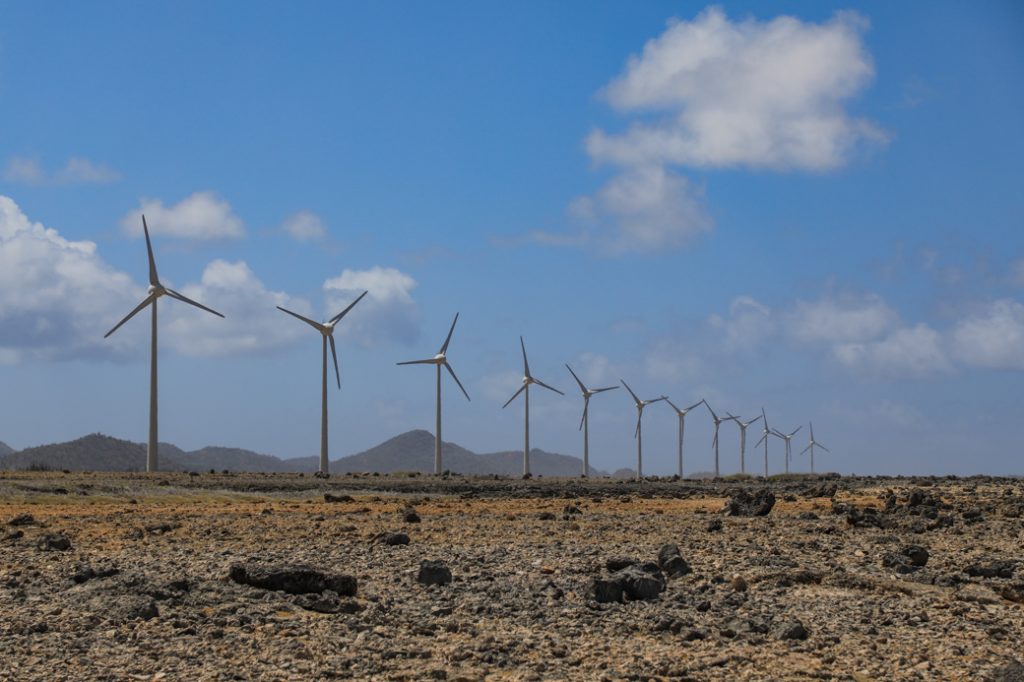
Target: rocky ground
[[285, 577]]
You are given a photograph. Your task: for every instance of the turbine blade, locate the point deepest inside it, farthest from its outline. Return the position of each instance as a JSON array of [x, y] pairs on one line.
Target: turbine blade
[[514, 395], [695, 404], [657, 400], [461, 387], [606, 388], [541, 383], [334, 354], [674, 406], [793, 433], [635, 399], [638, 418], [153, 278], [805, 449], [526, 364], [713, 415], [343, 313], [824, 448], [444, 346], [431, 361], [714, 441], [812, 430], [315, 325], [582, 387], [586, 406], [762, 438], [185, 299], [146, 301]]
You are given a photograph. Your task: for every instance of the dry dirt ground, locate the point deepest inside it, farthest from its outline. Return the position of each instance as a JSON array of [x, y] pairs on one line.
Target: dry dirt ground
[[126, 576]]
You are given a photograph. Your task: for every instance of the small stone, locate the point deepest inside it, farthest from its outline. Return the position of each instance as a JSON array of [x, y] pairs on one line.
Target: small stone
[[391, 539], [328, 497], [22, 520], [57, 542], [790, 629], [546, 516], [738, 583], [714, 525], [670, 561], [619, 563], [639, 583], [434, 572]]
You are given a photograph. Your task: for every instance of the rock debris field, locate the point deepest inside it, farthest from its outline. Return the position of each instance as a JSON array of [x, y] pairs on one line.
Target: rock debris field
[[286, 577]]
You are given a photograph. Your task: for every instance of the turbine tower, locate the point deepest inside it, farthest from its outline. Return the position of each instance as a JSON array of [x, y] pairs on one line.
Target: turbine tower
[[326, 330], [588, 393], [811, 446], [788, 437], [743, 440], [640, 405], [440, 360], [682, 426], [718, 422], [527, 380], [765, 432], [155, 291]]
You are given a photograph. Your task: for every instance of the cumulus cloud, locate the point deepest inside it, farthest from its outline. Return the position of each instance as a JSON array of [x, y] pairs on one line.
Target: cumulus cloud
[[993, 337], [304, 226], [201, 215], [760, 94], [251, 322], [917, 350], [77, 171], [57, 297], [843, 319], [746, 326], [388, 313]]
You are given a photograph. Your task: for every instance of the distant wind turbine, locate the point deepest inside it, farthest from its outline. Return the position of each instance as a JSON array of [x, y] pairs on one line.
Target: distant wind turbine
[[743, 440], [681, 412], [440, 360], [811, 446], [640, 405], [718, 422], [326, 330], [588, 393], [155, 291], [788, 437], [527, 380], [765, 432]]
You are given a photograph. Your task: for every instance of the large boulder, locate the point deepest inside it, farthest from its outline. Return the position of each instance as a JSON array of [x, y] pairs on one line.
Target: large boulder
[[745, 504], [295, 579]]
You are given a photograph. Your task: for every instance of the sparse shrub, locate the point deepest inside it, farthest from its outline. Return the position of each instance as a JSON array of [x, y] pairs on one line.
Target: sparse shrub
[[39, 466]]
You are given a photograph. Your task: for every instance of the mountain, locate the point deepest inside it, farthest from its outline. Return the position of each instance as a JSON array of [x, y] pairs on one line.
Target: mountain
[[233, 459], [94, 452], [5, 449]]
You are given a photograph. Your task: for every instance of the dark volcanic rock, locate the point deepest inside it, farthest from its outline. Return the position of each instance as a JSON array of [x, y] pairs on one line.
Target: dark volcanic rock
[[546, 516], [790, 629], [745, 504], [86, 573], [328, 497], [328, 602], [1011, 672], [14, 535], [409, 515], [994, 569], [672, 562], [619, 563], [292, 579], [606, 591], [640, 582], [391, 539], [434, 573], [22, 520], [714, 525], [57, 542]]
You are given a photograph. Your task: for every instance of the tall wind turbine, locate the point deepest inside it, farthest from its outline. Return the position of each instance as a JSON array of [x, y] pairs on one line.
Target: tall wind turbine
[[527, 380], [811, 446], [682, 426], [155, 291], [640, 405], [788, 437], [588, 393], [440, 360], [765, 432], [326, 330], [718, 422], [743, 440]]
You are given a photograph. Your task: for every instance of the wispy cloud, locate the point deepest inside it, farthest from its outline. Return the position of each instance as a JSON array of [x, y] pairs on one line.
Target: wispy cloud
[[77, 171]]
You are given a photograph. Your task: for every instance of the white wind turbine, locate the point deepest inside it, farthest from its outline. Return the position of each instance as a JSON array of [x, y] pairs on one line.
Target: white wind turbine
[[788, 437], [811, 447], [588, 393], [682, 427], [640, 405], [155, 291], [743, 440], [527, 380], [765, 432], [718, 422], [440, 360], [326, 330]]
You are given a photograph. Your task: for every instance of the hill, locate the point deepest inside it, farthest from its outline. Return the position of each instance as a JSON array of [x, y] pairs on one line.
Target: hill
[[5, 449], [94, 452]]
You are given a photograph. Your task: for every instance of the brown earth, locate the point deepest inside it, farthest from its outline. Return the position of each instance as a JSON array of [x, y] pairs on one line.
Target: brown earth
[[817, 589]]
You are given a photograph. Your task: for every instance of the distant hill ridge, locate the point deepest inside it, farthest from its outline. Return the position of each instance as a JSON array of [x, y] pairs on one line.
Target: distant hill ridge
[[5, 449], [410, 451]]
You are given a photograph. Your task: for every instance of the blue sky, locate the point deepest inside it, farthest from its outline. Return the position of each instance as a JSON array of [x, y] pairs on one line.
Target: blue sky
[[815, 208]]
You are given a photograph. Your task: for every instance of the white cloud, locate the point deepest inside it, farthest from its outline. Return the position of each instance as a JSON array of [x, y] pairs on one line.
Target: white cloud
[[304, 226], [847, 319], [749, 93], [1017, 273], [992, 338], [914, 350], [77, 171], [500, 386], [666, 360], [201, 215], [57, 297], [251, 322], [596, 370], [747, 325], [388, 313]]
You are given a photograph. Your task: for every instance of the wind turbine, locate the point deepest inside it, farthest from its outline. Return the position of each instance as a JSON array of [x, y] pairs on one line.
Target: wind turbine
[[440, 360], [527, 380], [811, 445], [765, 432], [640, 405], [155, 291], [326, 330], [682, 426], [718, 422], [787, 437], [588, 393], [743, 440]]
